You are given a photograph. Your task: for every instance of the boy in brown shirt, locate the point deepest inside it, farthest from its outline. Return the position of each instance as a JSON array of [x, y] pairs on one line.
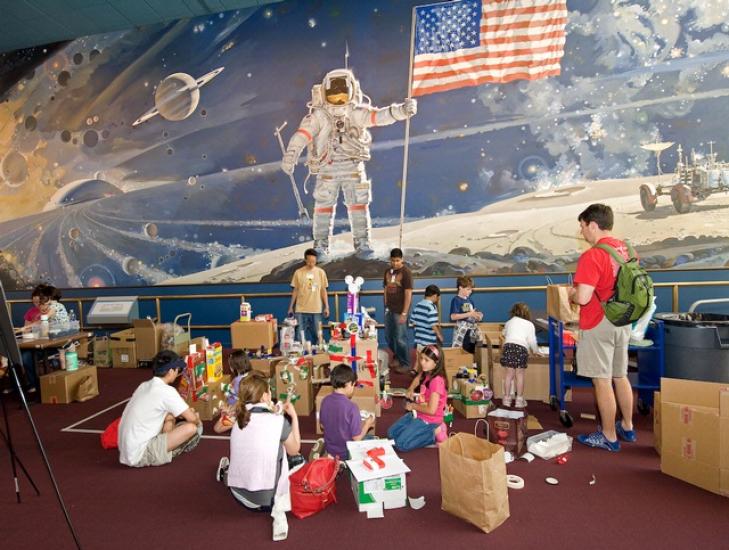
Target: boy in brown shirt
[[398, 285]]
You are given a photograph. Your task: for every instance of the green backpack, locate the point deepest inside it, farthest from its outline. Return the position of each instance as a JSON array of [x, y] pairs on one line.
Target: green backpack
[[633, 289]]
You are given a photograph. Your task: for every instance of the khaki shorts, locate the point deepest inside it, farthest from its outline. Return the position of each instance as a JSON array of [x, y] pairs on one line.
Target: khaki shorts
[[602, 351], [156, 453]]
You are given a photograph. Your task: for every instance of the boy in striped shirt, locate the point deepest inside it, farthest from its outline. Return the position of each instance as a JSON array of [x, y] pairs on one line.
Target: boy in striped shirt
[[425, 319]]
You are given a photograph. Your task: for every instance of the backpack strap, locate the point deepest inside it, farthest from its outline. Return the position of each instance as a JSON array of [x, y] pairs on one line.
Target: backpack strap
[[614, 253]]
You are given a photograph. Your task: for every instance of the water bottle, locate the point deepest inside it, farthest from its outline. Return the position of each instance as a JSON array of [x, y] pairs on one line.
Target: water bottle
[[73, 323], [44, 326]]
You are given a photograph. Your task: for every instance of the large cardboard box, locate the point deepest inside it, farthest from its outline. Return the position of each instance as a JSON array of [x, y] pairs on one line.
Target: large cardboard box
[[364, 401], [657, 421], [304, 405], [253, 334], [213, 399], [62, 386], [147, 334], [377, 488], [123, 346], [536, 377], [694, 422]]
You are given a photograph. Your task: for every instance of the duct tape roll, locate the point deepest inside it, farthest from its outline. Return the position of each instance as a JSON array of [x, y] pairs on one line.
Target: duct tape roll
[[514, 482]]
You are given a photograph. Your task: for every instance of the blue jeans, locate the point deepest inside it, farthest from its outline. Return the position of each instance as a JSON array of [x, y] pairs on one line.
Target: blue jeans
[[309, 323], [397, 337], [411, 433], [31, 376]]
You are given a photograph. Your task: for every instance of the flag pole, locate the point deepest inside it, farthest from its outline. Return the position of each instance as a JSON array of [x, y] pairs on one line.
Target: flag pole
[[406, 147]]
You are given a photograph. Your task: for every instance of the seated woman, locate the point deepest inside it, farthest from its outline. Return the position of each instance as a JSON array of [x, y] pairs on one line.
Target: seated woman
[[257, 472], [45, 302]]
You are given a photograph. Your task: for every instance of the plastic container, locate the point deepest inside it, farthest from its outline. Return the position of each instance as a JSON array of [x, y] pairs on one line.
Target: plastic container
[[45, 327], [71, 361], [555, 447], [245, 311]]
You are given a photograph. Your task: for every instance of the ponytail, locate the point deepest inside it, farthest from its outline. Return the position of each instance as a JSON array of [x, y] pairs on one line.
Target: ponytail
[[250, 391]]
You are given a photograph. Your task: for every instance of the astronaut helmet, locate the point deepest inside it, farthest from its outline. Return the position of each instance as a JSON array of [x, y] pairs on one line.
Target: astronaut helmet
[[340, 88]]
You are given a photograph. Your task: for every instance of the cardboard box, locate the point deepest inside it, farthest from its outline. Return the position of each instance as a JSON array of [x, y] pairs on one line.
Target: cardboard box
[[62, 386], [213, 399], [214, 361], [468, 410], [694, 422], [536, 377], [304, 405], [253, 335], [147, 334], [657, 421], [123, 349], [377, 489], [364, 402], [493, 332], [453, 360], [265, 365], [100, 353]]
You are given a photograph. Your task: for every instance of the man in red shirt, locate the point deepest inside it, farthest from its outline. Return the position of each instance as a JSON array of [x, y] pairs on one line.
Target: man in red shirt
[[602, 350]]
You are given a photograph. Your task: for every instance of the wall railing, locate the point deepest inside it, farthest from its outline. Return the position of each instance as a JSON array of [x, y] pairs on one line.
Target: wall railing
[[338, 295]]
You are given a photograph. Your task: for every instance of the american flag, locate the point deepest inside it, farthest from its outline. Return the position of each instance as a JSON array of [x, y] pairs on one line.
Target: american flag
[[471, 42]]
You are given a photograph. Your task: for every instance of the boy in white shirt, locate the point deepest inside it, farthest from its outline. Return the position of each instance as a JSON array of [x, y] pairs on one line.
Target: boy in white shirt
[[519, 339], [149, 434]]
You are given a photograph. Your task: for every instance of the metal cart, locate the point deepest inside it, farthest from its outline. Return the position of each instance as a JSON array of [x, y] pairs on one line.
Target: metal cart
[[650, 361]]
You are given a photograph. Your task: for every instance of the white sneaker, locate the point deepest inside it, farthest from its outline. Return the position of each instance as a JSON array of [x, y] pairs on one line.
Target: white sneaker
[[280, 528], [222, 471], [506, 401], [520, 402]]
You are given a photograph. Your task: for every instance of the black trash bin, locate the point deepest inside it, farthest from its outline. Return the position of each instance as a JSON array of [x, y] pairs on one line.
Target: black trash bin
[[697, 346]]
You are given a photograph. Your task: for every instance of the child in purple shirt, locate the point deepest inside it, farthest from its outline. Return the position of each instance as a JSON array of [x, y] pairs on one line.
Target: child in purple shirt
[[339, 417]]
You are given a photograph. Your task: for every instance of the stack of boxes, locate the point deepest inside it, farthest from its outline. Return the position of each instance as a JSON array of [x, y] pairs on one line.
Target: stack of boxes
[[203, 385]]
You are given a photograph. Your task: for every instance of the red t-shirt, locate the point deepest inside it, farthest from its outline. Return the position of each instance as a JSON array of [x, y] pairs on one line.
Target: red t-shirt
[[597, 268], [32, 315]]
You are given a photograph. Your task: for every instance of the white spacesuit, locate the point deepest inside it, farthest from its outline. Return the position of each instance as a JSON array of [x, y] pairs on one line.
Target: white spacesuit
[[338, 142]]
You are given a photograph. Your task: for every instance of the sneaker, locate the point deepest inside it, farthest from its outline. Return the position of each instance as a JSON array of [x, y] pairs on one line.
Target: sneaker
[[295, 461], [317, 450], [520, 402], [626, 435], [506, 401], [599, 441], [222, 472], [402, 370]]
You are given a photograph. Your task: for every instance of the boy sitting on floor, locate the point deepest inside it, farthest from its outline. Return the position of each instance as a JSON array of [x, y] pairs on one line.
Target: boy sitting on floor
[[148, 432], [339, 417]]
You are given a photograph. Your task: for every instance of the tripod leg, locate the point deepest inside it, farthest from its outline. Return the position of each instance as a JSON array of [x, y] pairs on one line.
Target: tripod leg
[[13, 458], [17, 459]]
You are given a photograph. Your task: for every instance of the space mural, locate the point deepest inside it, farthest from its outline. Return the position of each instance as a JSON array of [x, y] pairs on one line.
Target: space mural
[[149, 156]]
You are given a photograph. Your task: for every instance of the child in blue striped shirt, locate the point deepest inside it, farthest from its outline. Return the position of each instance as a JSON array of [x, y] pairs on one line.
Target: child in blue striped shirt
[[425, 319]]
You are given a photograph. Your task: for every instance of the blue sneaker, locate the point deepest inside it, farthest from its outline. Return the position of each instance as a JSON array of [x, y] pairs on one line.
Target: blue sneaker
[[625, 435], [599, 441]]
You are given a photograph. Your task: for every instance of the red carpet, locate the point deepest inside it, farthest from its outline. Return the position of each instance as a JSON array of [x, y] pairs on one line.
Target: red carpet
[[181, 506]]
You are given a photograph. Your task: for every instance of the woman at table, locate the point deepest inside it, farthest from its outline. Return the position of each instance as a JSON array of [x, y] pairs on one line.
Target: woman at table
[[45, 302]]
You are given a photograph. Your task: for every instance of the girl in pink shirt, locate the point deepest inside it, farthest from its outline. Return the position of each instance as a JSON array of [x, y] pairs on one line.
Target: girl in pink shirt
[[423, 424]]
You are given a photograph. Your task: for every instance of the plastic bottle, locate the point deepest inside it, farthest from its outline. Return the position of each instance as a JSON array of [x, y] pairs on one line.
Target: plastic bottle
[[71, 358], [44, 326]]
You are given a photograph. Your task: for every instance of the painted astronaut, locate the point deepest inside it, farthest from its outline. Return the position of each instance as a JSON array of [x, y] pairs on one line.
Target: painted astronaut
[[336, 135]]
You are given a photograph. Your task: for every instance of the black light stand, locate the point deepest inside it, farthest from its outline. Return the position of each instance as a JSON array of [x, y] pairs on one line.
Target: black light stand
[[9, 348]]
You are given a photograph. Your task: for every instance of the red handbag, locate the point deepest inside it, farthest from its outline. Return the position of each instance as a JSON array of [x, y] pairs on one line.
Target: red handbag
[[110, 437], [313, 487]]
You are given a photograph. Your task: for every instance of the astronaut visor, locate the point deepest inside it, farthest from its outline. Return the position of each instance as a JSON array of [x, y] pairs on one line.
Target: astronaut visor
[[337, 91]]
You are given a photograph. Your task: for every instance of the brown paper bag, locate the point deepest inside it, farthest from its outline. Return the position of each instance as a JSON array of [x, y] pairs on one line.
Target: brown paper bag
[[473, 481], [87, 389], [559, 305]]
